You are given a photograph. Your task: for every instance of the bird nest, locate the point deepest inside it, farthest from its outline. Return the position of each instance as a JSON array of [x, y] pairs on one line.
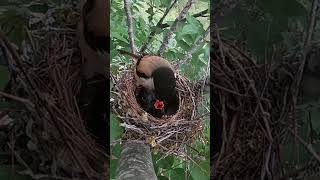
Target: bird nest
[[252, 106], [52, 138], [168, 133]]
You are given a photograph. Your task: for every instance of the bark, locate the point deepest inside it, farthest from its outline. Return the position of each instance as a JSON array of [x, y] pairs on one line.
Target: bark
[[135, 162]]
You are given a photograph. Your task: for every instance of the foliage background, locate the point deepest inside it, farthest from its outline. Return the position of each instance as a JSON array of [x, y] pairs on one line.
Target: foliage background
[[146, 14]]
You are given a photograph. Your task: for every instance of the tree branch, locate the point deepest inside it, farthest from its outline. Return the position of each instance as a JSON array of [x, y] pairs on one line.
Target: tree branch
[[129, 23], [135, 162], [153, 32], [173, 27]]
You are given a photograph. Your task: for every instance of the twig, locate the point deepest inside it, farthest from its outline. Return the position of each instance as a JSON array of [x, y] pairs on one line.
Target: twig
[[131, 127], [16, 98], [173, 27], [216, 29], [265, 169], [153, 32], [129, 54], [130, 28]]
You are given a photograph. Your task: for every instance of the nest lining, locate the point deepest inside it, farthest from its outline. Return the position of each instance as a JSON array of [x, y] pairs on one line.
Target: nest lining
[[167, 133]]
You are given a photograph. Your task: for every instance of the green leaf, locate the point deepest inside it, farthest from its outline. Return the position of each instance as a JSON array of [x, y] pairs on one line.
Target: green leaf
[[150, 11], [113, 168], [177, 174], [165, 163], [119, 37], [197, 173], [169, 54], [116, 150], [185, 46], [163, 178], [157, 29], [115, 129], [156, 3], [189, 29], [192, 20], [189, 39], [138, 4], [166, 3]]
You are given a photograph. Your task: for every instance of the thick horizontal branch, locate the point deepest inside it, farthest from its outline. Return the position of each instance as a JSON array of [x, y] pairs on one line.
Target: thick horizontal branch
[[135, 162]]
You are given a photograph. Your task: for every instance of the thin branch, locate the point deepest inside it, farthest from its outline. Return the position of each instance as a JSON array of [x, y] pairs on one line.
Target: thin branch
[[153, 32], [130, 28], [16, 98], [173, 27], [136, 56], [194, 47]]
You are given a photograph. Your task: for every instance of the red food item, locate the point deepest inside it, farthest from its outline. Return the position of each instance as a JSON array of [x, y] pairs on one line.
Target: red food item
[[159, 104]]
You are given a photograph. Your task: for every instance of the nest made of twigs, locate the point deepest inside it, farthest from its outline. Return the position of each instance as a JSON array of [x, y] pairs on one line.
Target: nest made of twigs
[[252, 105], [52, 133], [168, 133]]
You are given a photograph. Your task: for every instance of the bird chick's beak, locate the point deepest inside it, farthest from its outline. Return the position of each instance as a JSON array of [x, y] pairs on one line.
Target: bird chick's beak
[[159, 104]]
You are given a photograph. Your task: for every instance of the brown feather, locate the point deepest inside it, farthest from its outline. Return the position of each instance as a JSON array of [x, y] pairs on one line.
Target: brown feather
[[147, 65], [150, 63]]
